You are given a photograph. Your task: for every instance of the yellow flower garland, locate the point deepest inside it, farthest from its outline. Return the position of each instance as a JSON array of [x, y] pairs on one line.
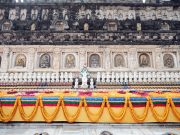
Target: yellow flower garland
[[117, 116], [139, 118], [22, 112], [177, 114], [97, 115], [71, 118], [7, 117], [160, 117], [49, 117]]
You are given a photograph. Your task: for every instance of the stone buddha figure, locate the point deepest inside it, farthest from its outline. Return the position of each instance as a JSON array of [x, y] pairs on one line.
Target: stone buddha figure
[[94, 61], [168, 61], [20, 61], [70, 61], [44, 61], [144, 60]]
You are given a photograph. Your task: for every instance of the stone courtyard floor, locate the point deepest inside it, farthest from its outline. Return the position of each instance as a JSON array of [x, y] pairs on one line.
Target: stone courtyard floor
[[88, 129]]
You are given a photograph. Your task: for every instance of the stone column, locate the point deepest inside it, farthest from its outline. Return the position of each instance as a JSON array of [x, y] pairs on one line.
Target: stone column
[[5, 59], [56, 60], [30, 62], [158, 60], [132, 59], [82, 58], [106, 60]]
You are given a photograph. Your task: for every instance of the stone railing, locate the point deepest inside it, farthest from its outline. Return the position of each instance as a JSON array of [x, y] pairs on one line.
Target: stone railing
[[102, 77], [138, 77], [63, 77]]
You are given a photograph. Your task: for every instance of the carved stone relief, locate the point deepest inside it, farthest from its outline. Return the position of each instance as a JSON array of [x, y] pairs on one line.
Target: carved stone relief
[[23, 13], [45, 61], [20, 60], [86, 27], [144, 60], [2, 14], [119, 61], [34, 14], [6, 26], [12, 14], [70, 61], [168, 61], [45, 14], [94, 61]]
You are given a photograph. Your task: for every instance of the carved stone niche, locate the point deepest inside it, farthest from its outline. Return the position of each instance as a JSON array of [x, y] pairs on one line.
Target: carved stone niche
[[95, 60], [6, 26], [145, 59], [44, 60], [2, 14], [110, 26], [164, 26], [169, 60], [69, 60], [119, 60], [20, 61]]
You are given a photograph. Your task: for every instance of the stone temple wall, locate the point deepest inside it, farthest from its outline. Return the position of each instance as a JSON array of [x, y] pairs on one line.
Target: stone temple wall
[[104, 37], [103, 58]]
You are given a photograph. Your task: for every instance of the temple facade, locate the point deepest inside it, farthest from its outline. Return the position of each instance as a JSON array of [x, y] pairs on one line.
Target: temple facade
[[115, 37]]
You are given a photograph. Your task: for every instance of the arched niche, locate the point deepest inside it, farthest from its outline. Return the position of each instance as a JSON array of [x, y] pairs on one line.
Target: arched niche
[[6, 26], [45, 61], [119, 61], [70, 61], [144, 60], [94, 61], [168, 61], [20, 60]]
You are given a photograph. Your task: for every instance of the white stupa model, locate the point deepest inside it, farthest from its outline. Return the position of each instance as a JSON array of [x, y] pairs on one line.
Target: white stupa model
[[84, 75]]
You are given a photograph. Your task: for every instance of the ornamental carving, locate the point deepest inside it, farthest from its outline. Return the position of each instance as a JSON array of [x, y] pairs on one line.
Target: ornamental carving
[[119, 61], [2, 14], [144, 60], [168, 61], [6, 26], [20, 60], [45, 61], [94, 61], [23, 14], [70, 61]]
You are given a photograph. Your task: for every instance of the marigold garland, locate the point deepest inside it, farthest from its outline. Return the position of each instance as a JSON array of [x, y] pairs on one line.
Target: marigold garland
[[7, 117], [98, 114], [177, 114], [139, 118], [49, 117], [72, 118], [22, 112], [161, 117], [117, 116]]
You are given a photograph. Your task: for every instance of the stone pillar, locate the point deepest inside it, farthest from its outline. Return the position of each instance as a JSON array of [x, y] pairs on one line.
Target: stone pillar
[[158, 60], [107, 60], [30, 62], [56, 61], [132, 58], [5, 60], [82, 58]]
